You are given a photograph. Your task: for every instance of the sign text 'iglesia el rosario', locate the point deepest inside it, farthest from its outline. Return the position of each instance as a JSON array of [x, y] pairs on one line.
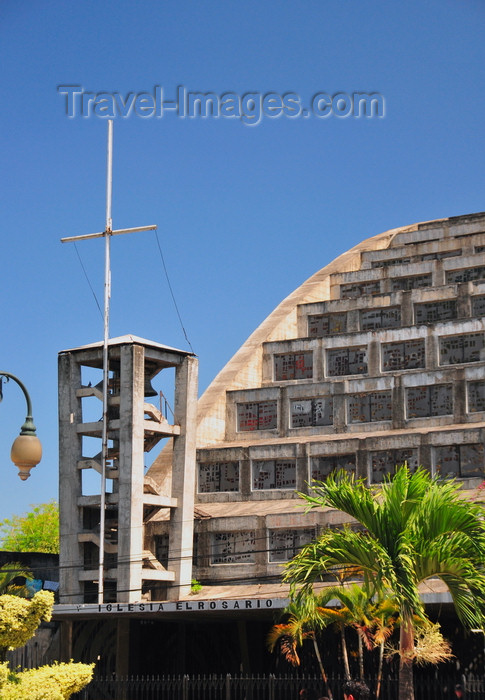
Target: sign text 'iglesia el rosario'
[[170, 607]]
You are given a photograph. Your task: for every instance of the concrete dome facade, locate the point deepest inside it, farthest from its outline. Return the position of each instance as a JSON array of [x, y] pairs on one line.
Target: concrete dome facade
[[375, 360]]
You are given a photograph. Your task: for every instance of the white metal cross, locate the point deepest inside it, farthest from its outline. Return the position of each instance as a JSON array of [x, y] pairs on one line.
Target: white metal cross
[[107, 233]]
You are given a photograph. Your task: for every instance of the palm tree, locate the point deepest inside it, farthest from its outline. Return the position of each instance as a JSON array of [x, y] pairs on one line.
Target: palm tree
[[416, 527], [302, 624], [340, 617], [371, 616], [356, 610], [8, 573], [384, 620]]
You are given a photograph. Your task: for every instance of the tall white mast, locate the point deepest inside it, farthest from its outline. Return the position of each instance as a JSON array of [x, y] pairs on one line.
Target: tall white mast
[[107, 233]]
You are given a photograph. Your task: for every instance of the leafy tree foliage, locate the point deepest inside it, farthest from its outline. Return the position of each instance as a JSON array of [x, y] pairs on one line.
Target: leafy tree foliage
[[35, 531], [56, 682], [19, 619], [416, 527]]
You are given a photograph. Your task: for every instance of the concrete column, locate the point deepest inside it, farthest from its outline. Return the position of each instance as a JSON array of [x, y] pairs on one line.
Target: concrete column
[[70, 483], [432, 350], [318, 369], [183, 478], [353, 320], [245, 476], [361, 470], [426, 454], [261, 555], [203, 545], [407, 311], [373, 358], [243, 646], [438, 278], [301, 468], [386, 282], [340, 410], [459, 396], [284, 412], [122, 647], [131, 473], [463, 302], [267, 368], [65, 634], [181, 648], [398, 404]]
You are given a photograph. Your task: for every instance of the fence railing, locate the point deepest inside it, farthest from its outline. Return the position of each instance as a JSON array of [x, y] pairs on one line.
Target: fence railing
[[228, 687]]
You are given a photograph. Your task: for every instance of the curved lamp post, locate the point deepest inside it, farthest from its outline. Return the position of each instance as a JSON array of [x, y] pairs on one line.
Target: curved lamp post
[[26, 450]]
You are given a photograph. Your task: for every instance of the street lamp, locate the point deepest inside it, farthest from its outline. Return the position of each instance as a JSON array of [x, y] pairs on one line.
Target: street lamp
[[26, 450]]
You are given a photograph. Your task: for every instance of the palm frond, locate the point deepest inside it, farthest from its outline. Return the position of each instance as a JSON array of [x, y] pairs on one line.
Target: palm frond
[[415, 527], [279, 636], [8, 573], [339, 549]]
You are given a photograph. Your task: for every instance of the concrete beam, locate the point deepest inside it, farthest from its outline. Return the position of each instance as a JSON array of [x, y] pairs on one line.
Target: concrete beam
[[92, 574], [181, 533], [156, 575], [95, 500], [150, 499]]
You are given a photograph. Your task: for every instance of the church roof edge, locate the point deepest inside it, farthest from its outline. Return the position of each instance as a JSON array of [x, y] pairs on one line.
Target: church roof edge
[[129, 340]]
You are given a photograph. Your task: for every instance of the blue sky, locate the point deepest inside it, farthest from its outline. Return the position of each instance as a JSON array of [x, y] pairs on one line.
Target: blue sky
[[245, 213]]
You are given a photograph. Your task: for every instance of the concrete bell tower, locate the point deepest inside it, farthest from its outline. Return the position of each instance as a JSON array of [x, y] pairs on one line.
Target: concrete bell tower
[[131, 573]]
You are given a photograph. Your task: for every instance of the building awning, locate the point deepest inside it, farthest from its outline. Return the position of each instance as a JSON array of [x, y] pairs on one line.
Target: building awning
[[223, 600]]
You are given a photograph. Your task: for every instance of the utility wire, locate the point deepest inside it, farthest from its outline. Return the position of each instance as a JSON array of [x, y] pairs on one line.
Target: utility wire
[[171, 291], [166, 276], [136, 560], [233, 595], [87, 280]]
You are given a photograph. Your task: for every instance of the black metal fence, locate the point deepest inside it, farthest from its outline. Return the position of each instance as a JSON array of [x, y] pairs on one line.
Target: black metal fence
[[271, 687]]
